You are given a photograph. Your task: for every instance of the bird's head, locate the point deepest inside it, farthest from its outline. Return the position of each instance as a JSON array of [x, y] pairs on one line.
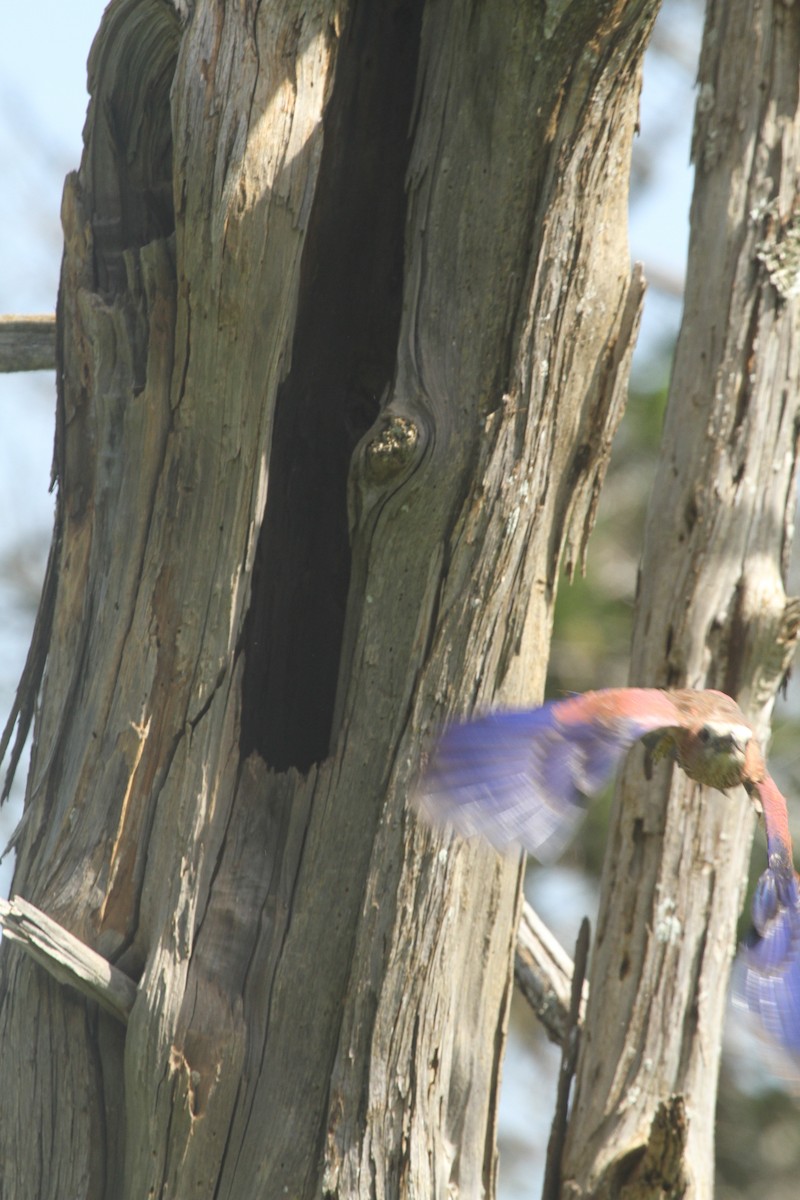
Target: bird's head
[[715, 753]]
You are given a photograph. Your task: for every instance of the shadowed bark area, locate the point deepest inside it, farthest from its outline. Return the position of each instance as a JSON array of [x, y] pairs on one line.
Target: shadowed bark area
[[343, 355], [395, 314]]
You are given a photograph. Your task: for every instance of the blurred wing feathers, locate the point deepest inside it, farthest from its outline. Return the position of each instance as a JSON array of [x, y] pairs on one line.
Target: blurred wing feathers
[[768, 979], [521, 776]]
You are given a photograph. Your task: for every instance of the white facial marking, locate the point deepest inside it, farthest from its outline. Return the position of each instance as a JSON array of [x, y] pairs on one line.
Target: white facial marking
[[740, 734]]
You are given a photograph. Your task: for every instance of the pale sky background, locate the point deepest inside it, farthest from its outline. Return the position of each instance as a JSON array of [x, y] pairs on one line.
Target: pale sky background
[[43, 51]]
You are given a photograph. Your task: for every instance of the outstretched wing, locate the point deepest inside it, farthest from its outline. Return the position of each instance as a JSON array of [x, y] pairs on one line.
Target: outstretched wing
[[768, 977], [520, 777]]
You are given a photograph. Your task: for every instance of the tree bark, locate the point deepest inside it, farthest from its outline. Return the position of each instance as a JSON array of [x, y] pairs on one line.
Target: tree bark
[[334, 405], [712, 611]]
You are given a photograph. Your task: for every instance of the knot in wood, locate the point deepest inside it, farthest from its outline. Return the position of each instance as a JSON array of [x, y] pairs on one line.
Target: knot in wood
[[392, 450]]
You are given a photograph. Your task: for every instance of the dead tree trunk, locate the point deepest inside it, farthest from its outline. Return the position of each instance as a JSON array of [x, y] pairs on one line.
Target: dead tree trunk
[[712, 611], [335, 401]]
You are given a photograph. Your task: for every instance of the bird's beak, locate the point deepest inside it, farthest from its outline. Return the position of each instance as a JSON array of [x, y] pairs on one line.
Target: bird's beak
[[731, 740], [734, 744]]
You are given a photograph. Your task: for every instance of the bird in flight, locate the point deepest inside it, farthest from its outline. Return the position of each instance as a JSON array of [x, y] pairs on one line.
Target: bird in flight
[[520, 777]]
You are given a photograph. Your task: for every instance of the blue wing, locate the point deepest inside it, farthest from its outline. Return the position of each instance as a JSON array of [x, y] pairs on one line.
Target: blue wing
[[768, 977], [520, 776]]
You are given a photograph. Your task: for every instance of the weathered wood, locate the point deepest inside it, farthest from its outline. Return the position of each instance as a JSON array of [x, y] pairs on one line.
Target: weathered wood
[[712, 611], [482, 515], [543, 972], [27, 343], [235, 699], [67, 958]]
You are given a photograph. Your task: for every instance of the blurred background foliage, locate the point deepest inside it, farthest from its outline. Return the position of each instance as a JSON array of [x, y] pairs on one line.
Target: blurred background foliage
[[594, 613]]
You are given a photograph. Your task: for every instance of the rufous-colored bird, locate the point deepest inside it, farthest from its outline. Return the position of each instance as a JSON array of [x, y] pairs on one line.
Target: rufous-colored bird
[[520, 777]]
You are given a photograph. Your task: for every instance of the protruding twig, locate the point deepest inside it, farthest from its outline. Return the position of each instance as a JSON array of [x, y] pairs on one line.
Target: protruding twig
[[67, 958], [27, 343], [543, 971], [569, 1059]]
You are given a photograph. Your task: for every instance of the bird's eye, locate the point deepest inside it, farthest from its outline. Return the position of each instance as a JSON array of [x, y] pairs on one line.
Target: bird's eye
[[704, 735]]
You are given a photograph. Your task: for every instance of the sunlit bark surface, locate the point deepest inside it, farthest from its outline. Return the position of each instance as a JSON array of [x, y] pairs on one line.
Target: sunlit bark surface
[[345, 321]]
